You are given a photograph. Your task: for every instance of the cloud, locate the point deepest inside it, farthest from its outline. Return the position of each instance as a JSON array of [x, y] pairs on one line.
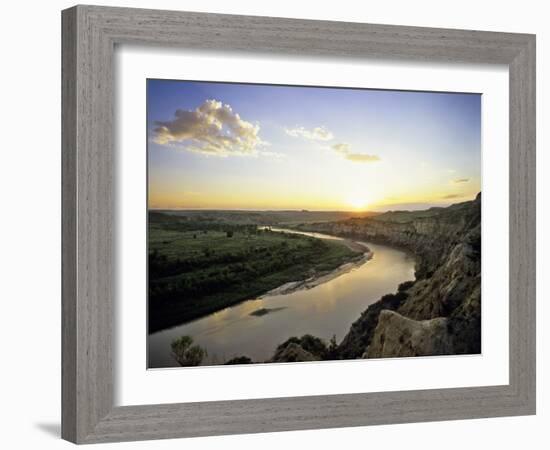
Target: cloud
[[322, 134], [344, 150], [273, 155], [362, 157], [461, 180], [315, 134], [450, 196], [213, 129]]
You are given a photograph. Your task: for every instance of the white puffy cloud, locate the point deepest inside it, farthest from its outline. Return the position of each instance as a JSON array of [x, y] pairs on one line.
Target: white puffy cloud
[[345, 150], [314, 134], [213, 128]]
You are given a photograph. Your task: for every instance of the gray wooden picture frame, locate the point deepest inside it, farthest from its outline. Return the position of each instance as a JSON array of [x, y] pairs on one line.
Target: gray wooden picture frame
[[90, 34]]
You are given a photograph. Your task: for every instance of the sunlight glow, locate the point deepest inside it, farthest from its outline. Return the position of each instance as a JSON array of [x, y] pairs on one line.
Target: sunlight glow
[[358, 203]]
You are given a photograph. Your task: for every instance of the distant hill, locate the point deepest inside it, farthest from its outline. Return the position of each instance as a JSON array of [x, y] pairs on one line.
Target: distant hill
[[405, 216], [245, 217]]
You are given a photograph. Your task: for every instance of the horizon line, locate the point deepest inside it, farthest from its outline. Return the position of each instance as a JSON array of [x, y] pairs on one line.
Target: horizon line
[[427, 205]]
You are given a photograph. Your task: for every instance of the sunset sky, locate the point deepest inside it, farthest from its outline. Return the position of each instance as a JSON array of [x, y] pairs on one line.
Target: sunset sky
[[243, 146]]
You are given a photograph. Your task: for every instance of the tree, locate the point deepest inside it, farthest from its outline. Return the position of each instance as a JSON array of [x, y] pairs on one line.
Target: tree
[[185, 353]]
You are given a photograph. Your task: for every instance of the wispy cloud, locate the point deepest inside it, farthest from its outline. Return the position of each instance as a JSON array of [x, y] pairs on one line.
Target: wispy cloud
[[344, 150], [450, 196], [313, 134], [213, 129], [272, 155], [322, 134], [461, 180]]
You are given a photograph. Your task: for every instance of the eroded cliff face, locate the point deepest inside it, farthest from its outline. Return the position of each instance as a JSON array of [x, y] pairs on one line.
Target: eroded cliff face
[[438, 313], [396, 335]]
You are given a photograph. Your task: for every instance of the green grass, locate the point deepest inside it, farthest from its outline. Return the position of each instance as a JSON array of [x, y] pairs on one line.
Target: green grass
[[194, 272], [183, 244]]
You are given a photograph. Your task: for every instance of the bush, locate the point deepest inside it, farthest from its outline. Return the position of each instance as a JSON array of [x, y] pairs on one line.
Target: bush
[[239, 360], [332, 349], [405, 286], [309, 343], [185, 353]]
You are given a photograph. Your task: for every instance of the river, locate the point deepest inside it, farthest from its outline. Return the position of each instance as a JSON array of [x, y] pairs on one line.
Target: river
[[324, 310]]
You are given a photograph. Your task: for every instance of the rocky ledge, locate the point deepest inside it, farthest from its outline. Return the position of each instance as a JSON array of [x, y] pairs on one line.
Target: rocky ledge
[[396, 335]]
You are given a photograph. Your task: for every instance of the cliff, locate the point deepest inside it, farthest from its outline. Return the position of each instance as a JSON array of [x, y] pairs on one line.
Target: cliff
[[396, 335], [438, 313]]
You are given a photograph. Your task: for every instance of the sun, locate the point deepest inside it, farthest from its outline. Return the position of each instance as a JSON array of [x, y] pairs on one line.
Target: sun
[[358, 203]]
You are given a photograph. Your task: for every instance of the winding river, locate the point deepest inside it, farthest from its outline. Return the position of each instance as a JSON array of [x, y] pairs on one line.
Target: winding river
[[324, 310]]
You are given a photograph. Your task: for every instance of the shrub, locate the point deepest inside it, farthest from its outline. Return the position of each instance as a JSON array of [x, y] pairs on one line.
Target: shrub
[[185, 353], [239, 360], [332, 349], [309, 343], [405, 286]]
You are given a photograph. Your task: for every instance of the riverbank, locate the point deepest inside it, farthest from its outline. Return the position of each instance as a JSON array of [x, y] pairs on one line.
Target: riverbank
[[323, 277]]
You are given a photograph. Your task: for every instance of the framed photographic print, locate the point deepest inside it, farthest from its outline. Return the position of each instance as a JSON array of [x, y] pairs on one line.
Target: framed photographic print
[[278, 224]]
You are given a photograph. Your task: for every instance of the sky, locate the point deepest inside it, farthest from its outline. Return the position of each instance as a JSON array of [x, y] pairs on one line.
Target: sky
[[251, 146]]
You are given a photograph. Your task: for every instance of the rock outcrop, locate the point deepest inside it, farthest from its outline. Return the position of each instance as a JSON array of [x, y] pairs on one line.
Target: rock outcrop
[[293, 352], [396, 335], [438, 313]]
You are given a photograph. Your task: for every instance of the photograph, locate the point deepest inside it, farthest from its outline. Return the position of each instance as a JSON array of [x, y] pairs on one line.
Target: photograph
[[290, 224]]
